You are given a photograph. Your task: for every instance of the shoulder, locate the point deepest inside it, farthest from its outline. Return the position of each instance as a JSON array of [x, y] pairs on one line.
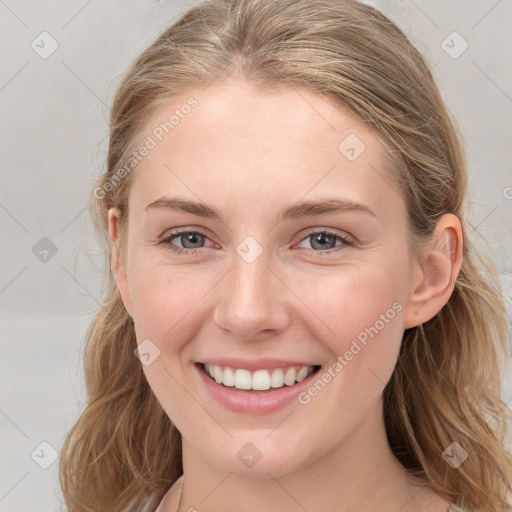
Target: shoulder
[[153, 504], [171, 498], [142, 505]]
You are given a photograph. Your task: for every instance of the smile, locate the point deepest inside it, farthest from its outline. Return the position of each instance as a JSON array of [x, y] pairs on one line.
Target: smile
[[259, 380], [237, 389]]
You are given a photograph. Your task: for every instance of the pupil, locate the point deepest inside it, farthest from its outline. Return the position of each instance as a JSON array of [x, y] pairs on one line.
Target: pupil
[[191, 236], [322, 239]]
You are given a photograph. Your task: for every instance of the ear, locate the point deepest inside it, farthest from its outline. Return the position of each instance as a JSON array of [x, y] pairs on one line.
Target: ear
[[439, 267], [117, 265]]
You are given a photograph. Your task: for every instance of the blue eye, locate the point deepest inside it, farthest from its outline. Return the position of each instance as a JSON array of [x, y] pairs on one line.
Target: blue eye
[[324, 239], [185, 237], [321, 240]]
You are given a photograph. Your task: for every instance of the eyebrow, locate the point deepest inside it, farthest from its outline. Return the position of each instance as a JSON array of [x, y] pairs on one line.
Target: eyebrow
[[295, 211]]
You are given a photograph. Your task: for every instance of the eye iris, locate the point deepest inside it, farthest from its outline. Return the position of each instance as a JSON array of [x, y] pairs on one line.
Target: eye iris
[[322, 236], [189, 237]]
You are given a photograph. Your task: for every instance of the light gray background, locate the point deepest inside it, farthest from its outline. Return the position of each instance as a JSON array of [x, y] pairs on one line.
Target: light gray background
[[53, 142]]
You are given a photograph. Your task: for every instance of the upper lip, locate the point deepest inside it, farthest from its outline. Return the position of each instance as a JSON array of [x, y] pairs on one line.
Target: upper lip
[[255, 364]]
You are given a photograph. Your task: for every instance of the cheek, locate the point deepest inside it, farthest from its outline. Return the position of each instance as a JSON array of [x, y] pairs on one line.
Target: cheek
[[163, 296], [362, 326], [350, 302], [167, 309]]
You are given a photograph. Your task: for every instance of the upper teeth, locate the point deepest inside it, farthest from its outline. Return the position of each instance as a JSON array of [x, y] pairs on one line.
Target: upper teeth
[[260, 379]]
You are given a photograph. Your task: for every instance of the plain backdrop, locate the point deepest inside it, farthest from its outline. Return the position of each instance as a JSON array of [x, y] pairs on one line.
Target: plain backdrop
[[60, 64]]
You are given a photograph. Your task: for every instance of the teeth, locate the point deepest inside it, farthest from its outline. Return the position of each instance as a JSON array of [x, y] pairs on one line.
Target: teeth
[[229, 377], [260, 380], [242, 379], [290, 376], [277, 379], [218, 374], [302, 374]]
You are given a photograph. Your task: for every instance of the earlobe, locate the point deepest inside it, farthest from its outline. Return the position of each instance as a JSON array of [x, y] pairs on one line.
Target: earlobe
[[117, 265], [439, 269]]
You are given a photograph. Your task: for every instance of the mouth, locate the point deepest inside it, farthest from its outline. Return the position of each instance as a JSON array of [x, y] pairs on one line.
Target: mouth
[[262, 381]]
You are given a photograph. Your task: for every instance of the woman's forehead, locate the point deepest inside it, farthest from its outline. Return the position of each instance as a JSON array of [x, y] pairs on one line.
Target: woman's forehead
[[234, 112], [239, 139]]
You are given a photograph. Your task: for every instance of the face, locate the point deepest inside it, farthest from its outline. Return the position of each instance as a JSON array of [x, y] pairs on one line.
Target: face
[[272, 282]]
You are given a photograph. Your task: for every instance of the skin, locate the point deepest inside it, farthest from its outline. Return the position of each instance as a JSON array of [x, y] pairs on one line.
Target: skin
[[249, 153]]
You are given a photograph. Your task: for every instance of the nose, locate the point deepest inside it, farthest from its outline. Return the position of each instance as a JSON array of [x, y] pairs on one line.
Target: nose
[[252, 301]]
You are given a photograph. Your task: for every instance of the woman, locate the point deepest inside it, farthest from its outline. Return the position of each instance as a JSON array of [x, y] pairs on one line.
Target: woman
[[331, 342]]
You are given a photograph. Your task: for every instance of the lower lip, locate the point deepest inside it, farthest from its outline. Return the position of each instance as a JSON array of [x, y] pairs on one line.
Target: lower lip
[[249, 402]]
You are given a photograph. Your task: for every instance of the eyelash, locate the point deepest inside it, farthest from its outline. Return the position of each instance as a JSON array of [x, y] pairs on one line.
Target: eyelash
[[178, 250]]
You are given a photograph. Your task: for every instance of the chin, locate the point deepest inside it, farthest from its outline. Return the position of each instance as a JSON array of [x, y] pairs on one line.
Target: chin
[[249, 456]]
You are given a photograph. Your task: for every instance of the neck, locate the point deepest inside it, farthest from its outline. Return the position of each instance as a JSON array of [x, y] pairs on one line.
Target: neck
[[359, 473]]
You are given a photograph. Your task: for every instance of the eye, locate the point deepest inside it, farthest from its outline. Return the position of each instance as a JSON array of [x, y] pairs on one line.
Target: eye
[[190, 240], [325, 240]]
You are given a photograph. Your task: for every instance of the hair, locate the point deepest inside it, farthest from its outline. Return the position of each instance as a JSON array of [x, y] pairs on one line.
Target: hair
[[445, 387]]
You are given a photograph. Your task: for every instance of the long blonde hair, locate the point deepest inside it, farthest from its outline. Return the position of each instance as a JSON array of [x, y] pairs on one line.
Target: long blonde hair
[[446, 384]]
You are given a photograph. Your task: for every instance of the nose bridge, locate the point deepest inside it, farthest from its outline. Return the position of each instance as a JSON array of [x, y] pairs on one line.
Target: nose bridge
[[249, 301], [251, 278]]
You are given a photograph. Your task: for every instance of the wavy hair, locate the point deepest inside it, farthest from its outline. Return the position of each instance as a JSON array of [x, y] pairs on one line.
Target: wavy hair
[[123, 449]]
